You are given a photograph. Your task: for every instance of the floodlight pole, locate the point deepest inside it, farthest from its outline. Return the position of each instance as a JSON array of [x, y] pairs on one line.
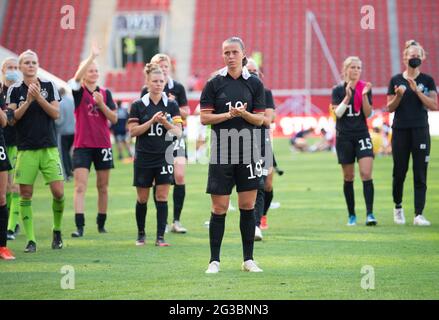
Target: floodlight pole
[[311, 22]]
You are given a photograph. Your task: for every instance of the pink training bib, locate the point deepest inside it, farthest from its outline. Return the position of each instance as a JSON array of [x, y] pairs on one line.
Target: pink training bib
[[91, 129]]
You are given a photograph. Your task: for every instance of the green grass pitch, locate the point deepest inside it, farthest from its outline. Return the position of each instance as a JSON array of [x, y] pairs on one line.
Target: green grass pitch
[[307, 253]]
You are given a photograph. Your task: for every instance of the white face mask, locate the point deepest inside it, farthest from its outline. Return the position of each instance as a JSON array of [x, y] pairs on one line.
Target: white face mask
[[12, 75]]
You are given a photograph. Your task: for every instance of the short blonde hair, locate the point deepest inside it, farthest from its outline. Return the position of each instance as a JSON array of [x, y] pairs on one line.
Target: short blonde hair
[[84, 62], [413, 43], [346, 63], [253, 62], [26, 53], [6, 61], [159, 57]]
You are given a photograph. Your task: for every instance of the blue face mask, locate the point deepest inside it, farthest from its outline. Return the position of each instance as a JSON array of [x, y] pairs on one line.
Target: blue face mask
[[12, 75]]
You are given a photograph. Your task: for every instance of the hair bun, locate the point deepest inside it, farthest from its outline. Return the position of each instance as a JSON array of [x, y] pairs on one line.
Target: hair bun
[[151, 67], [410, 43]]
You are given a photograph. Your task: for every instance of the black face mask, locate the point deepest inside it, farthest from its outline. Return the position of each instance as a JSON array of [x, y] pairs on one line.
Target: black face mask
[[414, 62], [255, 74]]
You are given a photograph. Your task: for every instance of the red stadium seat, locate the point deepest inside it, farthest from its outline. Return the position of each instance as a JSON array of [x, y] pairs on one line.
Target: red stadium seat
[[142, 5], [420, 27], [26, 26], [131, 79], [277, 29]]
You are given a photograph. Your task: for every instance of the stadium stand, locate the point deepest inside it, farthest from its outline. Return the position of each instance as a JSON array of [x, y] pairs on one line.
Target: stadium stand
[[132, 78], [277, 29], [420, 27], [59, 49]]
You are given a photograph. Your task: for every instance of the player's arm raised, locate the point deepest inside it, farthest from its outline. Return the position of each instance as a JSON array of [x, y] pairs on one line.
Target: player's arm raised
[[80, 73]]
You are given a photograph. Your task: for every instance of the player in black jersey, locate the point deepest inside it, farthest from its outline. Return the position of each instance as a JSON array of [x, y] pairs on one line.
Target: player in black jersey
[[36, 106], [11, 75], [175, 91], [266, 152], [410, 96], [233, 103], [352, 104], [152, 120], [5, 166]]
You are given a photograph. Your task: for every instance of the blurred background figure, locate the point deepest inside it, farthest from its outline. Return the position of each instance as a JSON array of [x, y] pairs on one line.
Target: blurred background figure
[[325, 143], [376, 134], [299, 140], [120, 132], [380, 133], [65, 126], [195, 83]]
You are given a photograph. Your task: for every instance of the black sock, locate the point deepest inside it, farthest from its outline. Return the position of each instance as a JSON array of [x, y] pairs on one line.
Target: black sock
[[259, 206], [178, 196], [162, 216], [141, 216], [247, 226], [398, 206], [368, 192], [80, 221], [348, 189], [3, 225], [267, 201], [154, 191], [216, 233], [100, 220]]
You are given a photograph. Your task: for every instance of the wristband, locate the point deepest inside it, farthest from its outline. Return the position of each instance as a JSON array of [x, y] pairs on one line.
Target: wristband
[[340, 110]]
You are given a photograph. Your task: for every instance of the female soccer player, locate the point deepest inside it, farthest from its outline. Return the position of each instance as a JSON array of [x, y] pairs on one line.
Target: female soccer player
[[175, 91], [233, 102], [352, 103], [5, 166], [152, 120], [36, 106], [266, 152], [411, 95], [94, 107], [11, 75]]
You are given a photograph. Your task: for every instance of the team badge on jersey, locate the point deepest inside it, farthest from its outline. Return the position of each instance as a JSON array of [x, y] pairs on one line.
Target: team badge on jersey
[[421, 87], [44, 93]]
